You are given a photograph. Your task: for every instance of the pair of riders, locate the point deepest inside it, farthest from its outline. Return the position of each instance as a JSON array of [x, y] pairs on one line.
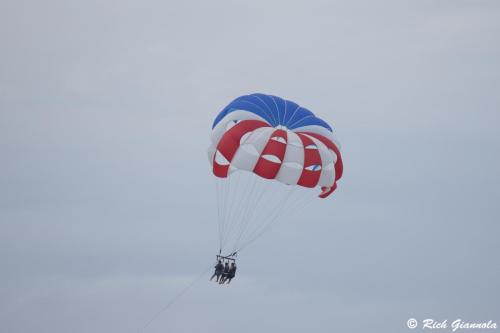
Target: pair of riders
[[224, 272]]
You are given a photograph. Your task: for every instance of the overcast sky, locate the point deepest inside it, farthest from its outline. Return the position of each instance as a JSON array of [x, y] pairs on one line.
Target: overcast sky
[[107, 203]]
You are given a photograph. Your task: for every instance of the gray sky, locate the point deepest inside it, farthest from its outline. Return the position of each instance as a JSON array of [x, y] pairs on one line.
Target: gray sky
[[107, 203]]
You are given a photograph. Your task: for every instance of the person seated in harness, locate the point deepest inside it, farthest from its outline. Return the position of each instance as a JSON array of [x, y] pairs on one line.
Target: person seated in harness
[[219, 268], [231, 273], [225, 273]]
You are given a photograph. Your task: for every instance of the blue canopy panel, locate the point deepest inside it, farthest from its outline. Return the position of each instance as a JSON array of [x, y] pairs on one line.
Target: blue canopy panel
[[274, 110]]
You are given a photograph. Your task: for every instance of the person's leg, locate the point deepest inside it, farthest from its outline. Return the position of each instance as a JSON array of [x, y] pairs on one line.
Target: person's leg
[[229, 280], [213, 277]]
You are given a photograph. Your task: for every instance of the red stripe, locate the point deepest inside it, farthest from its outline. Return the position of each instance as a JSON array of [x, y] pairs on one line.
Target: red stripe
[[339, 167], [309, 178], [230, 142], [220, 170], [268, 169], [327, 193]]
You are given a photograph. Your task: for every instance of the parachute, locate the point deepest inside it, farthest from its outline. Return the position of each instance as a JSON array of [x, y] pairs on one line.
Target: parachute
[[268, 155]]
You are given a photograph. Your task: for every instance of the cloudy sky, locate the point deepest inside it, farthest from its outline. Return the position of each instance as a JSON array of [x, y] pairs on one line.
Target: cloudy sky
[[107, 204]]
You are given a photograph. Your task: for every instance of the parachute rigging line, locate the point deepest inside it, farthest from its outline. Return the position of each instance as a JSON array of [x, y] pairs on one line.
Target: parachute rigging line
[[267, 224], [174, 299], [297, 209], [266, 221], [257, 206]]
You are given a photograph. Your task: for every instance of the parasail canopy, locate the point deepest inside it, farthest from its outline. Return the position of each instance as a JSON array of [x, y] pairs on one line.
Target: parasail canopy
[[275, 139], [264, 151]]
